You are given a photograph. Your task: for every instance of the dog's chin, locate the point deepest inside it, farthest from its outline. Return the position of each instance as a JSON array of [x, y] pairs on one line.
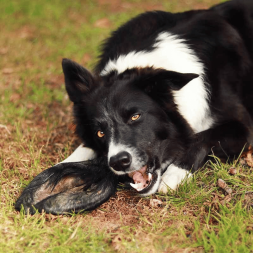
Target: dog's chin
[[145, 182]]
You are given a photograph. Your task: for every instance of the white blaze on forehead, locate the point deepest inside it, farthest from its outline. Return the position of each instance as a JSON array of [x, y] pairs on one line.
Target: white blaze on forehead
[[173, 53], [172, 178], [115, 149]]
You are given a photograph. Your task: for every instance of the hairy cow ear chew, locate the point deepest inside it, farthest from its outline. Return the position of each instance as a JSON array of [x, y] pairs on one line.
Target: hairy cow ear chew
[[78, 80], [69, 187]]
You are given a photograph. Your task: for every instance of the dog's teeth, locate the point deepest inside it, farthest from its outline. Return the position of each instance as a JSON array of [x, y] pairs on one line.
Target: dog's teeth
[[137, 187], [149, 176]]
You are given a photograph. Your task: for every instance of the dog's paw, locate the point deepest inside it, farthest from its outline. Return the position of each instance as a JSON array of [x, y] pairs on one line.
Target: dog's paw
[[69, 187], [172, 178]]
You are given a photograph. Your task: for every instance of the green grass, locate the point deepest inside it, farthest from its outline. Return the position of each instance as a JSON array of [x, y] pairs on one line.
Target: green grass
[[36, 132]]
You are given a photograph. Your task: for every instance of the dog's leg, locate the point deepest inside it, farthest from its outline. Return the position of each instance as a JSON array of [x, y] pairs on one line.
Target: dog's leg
[[80, 154], [224, 141], [172, 178]]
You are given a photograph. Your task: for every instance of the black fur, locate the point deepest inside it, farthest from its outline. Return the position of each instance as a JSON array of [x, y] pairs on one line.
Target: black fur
[[69, 187], [221, 38]]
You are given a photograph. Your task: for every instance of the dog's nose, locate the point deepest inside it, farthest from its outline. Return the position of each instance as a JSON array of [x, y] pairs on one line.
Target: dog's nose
[[121, 161]]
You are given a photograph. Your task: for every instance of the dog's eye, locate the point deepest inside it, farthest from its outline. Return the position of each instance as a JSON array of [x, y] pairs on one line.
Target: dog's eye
[[135, 117], [100, 134]]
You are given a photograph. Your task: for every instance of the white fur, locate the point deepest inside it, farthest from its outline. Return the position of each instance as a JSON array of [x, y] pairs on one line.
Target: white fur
[[136, 163], [80, 154], [172, 178], [165, 165], [173, 53]]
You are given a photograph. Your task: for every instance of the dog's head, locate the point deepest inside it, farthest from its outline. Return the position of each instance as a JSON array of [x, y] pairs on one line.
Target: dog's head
[[131, 118]]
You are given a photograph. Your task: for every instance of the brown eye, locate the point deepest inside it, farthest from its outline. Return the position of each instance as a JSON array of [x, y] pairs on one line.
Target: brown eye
[[135, 117], [100, 134]]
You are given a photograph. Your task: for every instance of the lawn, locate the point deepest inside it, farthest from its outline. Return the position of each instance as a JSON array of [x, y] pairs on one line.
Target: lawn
[[36, 131]]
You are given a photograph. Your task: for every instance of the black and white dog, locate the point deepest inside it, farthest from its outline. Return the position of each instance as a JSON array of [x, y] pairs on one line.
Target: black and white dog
[[168, 91]]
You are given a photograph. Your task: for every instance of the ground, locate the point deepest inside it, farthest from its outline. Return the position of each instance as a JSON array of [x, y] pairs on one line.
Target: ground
[[36, 131]]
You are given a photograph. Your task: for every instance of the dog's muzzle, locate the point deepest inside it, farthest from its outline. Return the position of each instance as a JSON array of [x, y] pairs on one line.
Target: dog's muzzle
[[145, 180], [121, 161]]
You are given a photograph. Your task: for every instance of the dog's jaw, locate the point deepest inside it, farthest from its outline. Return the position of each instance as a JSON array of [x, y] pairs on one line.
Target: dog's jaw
[[170, 179], [141, 178], [153, 187]]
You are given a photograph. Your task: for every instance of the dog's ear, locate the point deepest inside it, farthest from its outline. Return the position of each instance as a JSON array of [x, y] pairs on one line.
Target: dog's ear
[[78, 80], [161, 80], [176, 80]]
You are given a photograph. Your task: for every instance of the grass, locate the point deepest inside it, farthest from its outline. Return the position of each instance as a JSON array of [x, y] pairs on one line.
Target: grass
[[36, 132]]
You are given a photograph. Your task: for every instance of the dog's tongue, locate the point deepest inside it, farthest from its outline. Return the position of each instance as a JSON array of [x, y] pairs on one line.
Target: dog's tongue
[[141, 178]]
